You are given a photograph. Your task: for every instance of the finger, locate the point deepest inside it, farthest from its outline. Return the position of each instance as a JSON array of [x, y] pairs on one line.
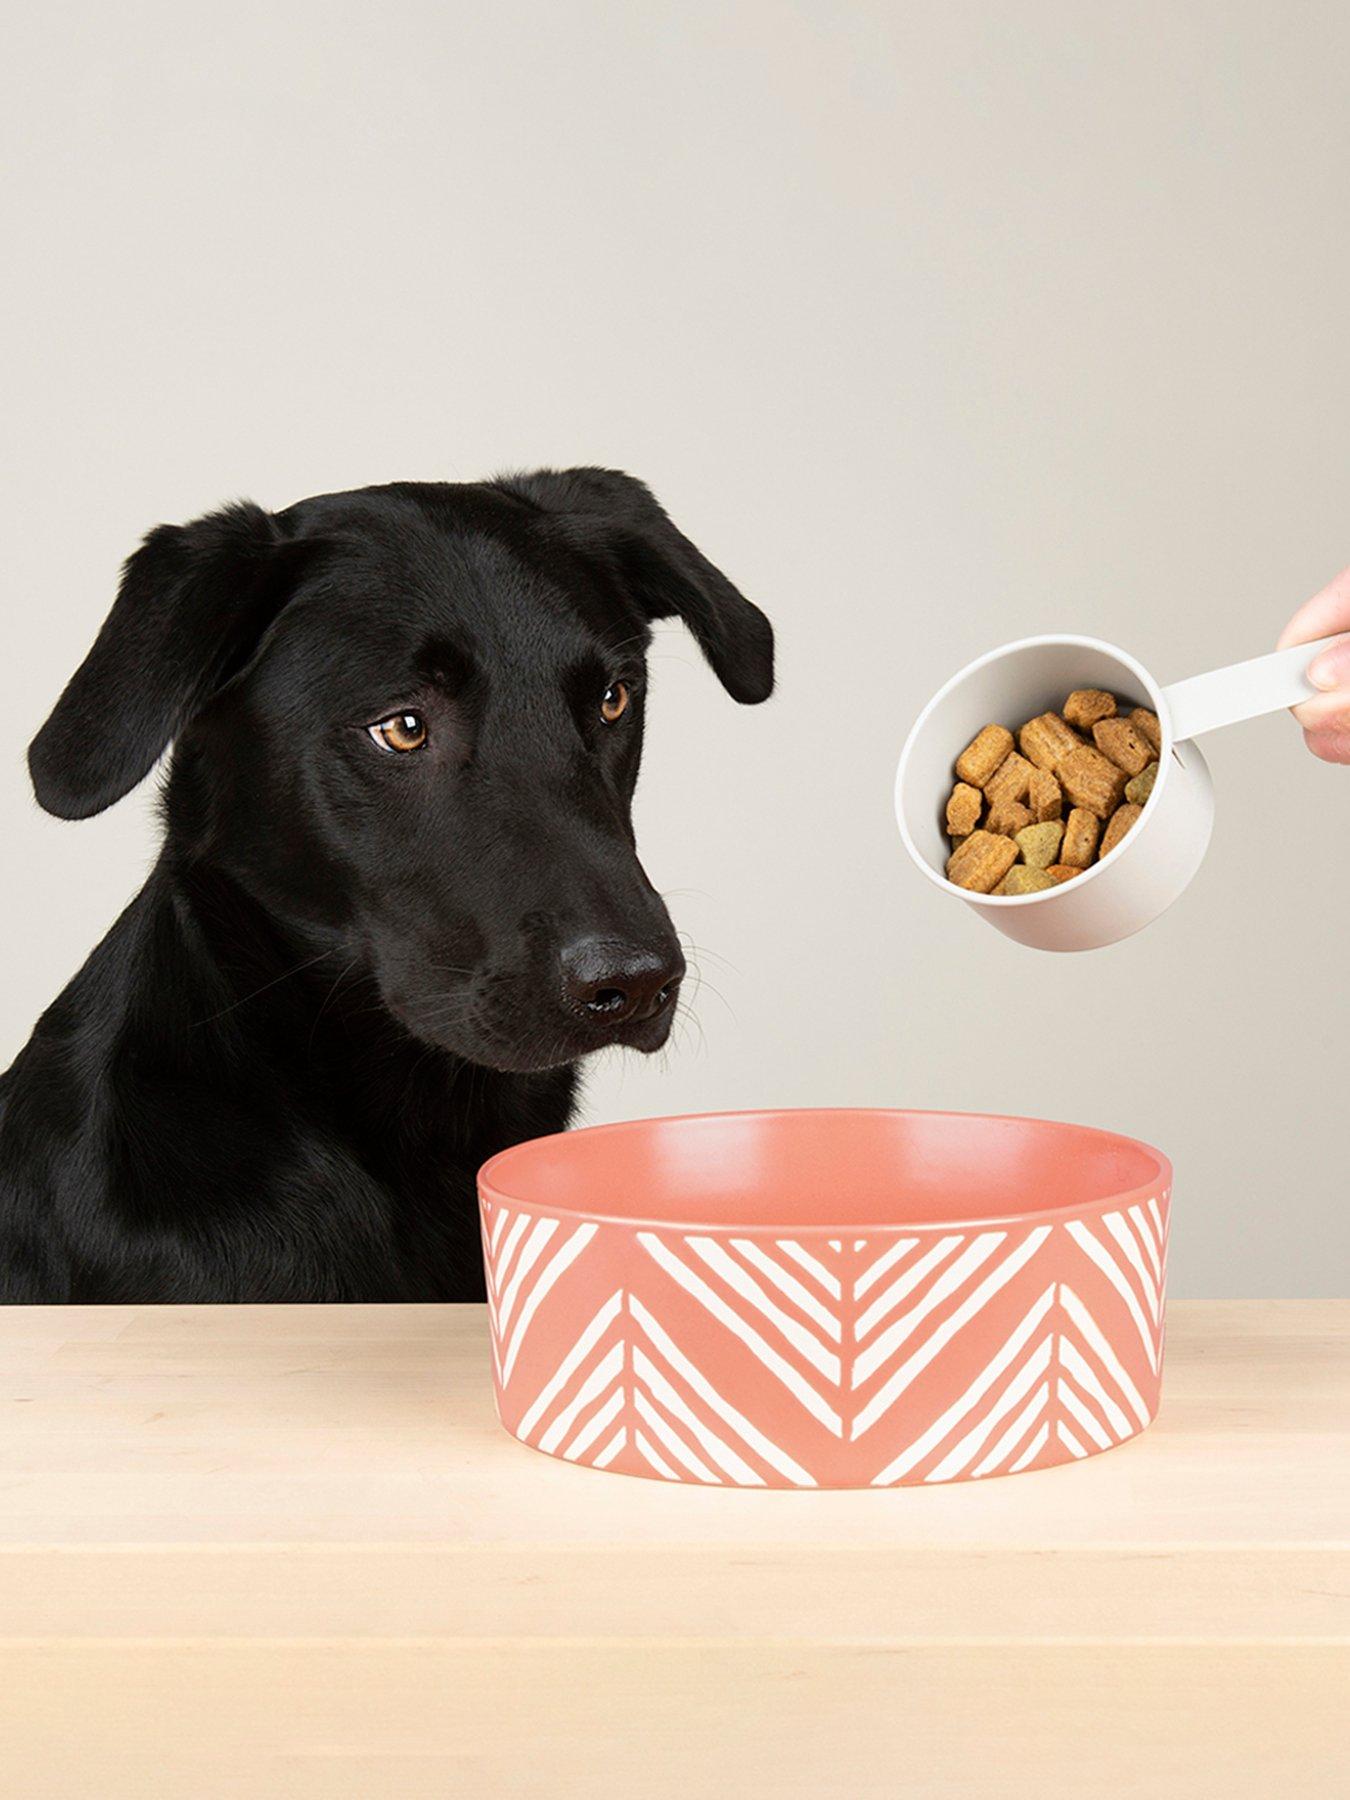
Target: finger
[[1331, 669], [1331, 745], [1326, 612], [1323, 711]]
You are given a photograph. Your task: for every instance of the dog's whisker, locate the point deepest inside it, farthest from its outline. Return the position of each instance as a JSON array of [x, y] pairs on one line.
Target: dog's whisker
[[276, 981], [719, 996], [687, 1018], [614, 648], [701, 981], [699, 951], [318, 1017]]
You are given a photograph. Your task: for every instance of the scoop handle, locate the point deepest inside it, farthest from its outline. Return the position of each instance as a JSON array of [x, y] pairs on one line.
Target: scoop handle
[[1245, 691]]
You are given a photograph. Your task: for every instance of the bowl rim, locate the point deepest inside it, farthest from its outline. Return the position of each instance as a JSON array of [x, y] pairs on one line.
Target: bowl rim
[[1160, 1185]]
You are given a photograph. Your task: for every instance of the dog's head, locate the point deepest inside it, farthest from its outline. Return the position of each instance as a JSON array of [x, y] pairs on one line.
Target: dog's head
[[408, 721]]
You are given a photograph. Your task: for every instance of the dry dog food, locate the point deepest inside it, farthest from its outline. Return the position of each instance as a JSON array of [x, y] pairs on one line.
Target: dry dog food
[[1119, 740], [1085, 706], [1138, 790], [1008, 817], [1022, 880], [1045, 797], [1120, 822], [1146, 724], [964, 809], [1039, 844], [1011, 780], [1092, 781], [980, 861], [979, 760], [1047, 741], [1080, 838], [1033, 809]]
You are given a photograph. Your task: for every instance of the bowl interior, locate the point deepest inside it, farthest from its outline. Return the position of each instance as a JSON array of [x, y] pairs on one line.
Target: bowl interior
[[825, 1170]]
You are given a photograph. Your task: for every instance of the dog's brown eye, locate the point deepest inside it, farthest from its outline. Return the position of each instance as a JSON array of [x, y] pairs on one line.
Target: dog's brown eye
[[615, 703], [404, 732]]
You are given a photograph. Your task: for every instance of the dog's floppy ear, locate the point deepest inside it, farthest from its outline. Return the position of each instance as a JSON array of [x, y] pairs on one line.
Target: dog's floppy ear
[[193, 603], [616, 520]]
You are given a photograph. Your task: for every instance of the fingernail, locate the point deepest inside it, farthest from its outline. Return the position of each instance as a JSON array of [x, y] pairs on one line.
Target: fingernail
[[1330, 670]]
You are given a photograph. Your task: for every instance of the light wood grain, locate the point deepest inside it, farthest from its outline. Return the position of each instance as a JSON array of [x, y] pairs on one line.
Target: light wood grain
[[375, 1425], [670, 1594], [287, 1550], [698, 1722]]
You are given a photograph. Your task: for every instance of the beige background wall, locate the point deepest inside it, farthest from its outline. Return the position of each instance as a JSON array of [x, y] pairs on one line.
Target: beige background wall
[[935, 324]]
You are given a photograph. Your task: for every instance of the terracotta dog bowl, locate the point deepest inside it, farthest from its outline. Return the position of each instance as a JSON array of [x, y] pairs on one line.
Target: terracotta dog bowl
[[826, 1299]]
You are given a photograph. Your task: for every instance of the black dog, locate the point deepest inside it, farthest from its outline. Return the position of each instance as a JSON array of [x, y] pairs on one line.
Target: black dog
[[398, 896]]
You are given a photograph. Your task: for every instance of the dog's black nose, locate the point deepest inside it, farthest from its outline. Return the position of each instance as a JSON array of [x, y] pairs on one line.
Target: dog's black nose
[[620, 983]]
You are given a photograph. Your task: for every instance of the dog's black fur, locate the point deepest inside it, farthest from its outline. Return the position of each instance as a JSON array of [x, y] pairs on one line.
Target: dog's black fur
[[355, 971]]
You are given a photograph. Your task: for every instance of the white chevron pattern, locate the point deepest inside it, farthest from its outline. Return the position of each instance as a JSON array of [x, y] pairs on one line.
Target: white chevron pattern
[[523, 1261], [803, 1356], [1055, 1372], [915, 1305], [1130, 1250], [626, 1372], [885, 1340], [885, 1355]]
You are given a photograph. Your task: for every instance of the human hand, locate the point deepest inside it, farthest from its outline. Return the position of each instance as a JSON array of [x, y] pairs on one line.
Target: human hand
[[1326, 717]]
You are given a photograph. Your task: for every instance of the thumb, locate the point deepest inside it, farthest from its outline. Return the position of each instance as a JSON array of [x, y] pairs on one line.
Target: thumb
[[1326, 612]]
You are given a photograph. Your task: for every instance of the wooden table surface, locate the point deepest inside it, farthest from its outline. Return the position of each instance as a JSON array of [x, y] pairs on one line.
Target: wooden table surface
[[258, 1551]]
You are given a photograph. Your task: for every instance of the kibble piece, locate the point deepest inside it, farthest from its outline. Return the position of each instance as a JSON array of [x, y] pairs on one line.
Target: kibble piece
[[1008, 817], [1121, 821], [1080, 838], [1039, 844], [1119, 740], [1061, 872], [1146, 724], [1024, 880], [1045, 797], [1047, 741], [1138, 790], [1090, 780], [964, 809], [1010, 781], [979, 759], [1085, 706], [981, 862]]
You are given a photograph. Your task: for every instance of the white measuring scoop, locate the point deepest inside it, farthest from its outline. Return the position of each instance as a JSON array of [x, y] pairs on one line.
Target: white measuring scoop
[[1155, 861]]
